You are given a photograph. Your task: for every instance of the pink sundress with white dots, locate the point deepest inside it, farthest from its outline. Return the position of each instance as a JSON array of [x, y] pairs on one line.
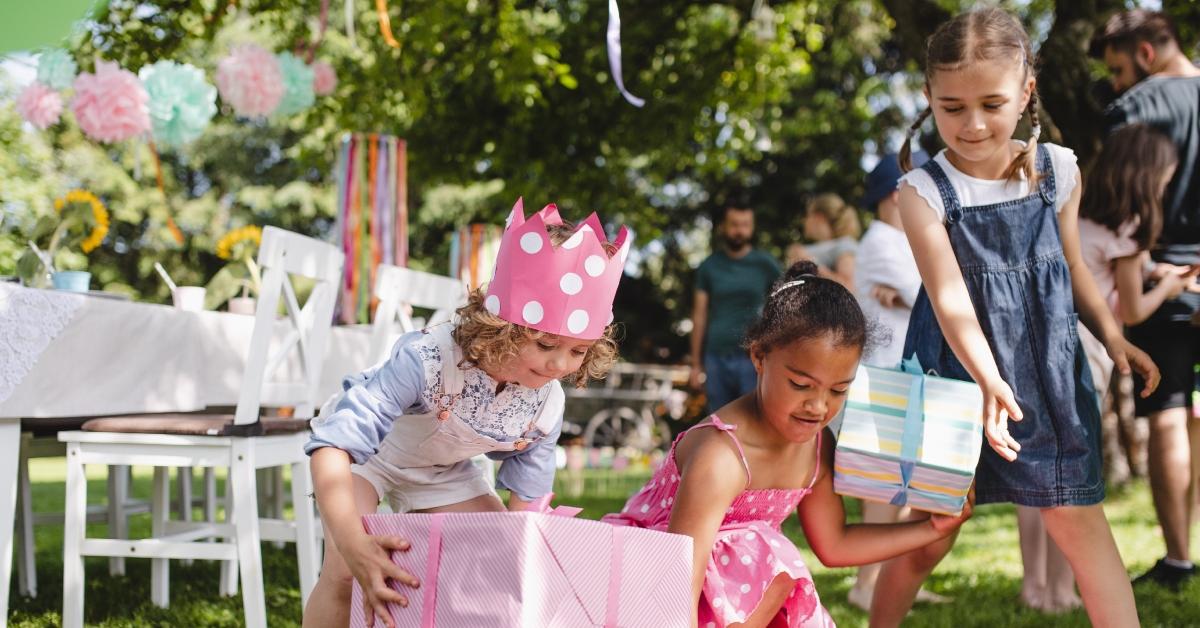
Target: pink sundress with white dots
[[749, 550]]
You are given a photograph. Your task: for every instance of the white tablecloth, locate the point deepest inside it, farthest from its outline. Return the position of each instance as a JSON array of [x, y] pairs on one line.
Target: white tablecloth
[[114, 357], [64, 355]]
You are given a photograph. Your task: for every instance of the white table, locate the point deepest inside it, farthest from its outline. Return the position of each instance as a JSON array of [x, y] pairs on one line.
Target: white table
[[120, 357]]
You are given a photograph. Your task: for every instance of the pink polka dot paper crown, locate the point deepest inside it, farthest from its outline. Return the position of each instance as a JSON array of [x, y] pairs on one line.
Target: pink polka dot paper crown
[[567, 289]]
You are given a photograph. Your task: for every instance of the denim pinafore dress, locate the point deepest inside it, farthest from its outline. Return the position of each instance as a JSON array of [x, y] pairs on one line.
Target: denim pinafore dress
[[1012, 260]]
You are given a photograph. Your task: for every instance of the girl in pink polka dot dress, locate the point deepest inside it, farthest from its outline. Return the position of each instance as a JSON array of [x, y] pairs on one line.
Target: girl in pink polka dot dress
[[730, 481]]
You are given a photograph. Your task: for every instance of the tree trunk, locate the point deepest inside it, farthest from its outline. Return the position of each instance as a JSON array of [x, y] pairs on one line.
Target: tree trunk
[[915, 21], [1071, 97]]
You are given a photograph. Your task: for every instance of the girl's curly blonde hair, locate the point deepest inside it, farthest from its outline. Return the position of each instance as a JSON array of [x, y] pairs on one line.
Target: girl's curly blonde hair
[[489, 341]]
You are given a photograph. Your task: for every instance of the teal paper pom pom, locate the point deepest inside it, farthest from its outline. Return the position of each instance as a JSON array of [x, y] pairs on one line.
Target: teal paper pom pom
[[56, 68], [297, 84], [182, 103]]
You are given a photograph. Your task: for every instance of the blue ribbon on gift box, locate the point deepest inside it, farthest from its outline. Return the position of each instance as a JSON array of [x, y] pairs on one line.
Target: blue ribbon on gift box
[[914, 427]]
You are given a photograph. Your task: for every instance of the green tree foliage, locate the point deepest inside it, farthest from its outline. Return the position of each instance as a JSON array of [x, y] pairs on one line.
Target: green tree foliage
[[758, 103]]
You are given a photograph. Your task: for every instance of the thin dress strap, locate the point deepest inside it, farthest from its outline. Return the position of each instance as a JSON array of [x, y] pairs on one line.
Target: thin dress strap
[[727, 429], [1046, 187], [817, 465], [950, 203]]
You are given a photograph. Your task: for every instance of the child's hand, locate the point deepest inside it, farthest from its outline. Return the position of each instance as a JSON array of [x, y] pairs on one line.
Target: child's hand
[[887, 296], [1124, 355], [1175, 284], [945, 524], [369, 560], [999, 404]]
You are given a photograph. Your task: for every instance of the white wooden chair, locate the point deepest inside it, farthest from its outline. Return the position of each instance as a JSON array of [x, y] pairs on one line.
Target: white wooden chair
[[43, 444], [242, 442], [401, 289]]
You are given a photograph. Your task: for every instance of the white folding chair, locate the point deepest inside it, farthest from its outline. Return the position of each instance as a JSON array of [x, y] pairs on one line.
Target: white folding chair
[[400, 289], [35, 444], [242, 442]]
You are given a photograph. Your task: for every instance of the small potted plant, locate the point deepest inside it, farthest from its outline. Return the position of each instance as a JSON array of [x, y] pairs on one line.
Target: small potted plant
[[77, 227], [240, 280]]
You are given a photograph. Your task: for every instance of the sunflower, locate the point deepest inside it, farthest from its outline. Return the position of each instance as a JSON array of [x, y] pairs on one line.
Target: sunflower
[[99, 214], [249, 233]]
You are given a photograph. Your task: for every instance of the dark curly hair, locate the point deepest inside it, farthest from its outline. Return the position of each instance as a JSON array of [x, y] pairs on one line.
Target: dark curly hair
[[811, 309]]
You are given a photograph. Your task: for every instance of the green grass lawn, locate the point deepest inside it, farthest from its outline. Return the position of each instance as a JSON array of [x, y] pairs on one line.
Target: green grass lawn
[[982, 574]]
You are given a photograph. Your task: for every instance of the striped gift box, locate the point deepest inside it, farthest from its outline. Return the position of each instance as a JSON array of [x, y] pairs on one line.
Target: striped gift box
[[535, 569], [909, 439]]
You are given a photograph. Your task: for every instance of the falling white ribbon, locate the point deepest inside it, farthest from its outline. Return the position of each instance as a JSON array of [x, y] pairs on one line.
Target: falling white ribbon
[[614, 53], [350, 24]]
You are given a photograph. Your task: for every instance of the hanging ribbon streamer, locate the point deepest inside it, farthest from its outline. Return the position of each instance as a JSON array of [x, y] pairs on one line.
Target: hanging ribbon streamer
[[400, 184], [176, 232], [349, 12], [372, 217], [324, 24], [473, 251], [385, 23], [614, 53]]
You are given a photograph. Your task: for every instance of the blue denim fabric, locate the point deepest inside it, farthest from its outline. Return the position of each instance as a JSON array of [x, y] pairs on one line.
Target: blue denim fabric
[[1012, 261], [727, 377]]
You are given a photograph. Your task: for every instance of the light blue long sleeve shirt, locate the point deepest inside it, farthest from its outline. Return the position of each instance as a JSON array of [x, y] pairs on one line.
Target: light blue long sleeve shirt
[[375, 398]]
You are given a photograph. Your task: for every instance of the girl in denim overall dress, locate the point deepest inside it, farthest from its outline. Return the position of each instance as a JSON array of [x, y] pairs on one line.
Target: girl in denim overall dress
[[487, 383], [993, 227]]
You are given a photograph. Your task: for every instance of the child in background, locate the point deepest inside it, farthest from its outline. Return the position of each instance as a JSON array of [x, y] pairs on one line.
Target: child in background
[[998, 306], [1120, 217], [831, 228], [730, 487], [488, 383]]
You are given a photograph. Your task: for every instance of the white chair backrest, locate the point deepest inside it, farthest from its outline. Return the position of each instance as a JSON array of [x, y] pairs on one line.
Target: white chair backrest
[[398, 288], [282, 255]]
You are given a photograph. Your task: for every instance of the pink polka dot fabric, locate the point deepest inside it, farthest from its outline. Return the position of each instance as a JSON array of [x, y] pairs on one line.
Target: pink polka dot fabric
[[749, 552]]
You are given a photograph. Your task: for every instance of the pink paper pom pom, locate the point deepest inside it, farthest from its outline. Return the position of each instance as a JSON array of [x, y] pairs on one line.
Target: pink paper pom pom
[[39, 105], [111, 105], [324, 78], [249, 80]]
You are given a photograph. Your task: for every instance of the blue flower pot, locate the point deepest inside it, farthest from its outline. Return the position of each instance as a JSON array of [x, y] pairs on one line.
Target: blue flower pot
[[72, 280]]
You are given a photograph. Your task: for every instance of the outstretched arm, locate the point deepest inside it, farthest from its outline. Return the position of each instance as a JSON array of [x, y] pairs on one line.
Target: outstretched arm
[[838, 544], [955, 314]]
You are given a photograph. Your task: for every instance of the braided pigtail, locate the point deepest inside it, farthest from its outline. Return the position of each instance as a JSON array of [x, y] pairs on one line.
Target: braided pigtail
[[905, 155]]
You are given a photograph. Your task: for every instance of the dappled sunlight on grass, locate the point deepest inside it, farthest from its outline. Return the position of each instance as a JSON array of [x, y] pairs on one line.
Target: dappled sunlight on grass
[[982, 574]]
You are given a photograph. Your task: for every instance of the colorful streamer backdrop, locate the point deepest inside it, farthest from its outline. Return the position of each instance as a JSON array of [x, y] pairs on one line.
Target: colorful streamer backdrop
[[372, 180]]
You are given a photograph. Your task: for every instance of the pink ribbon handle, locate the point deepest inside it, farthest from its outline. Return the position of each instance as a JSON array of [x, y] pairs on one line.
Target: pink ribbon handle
[[616, 560], [541, 505], [432, 562]]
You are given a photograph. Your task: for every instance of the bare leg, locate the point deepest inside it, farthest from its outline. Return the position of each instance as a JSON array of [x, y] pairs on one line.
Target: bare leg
[[1134, 431], [483, 503], [1060, 580], [772, 600], [1032, 534], [1083, 535], [864, 585], [1116, 464], [1194, 436], [329, 602], [900, 578], [1170, 477]]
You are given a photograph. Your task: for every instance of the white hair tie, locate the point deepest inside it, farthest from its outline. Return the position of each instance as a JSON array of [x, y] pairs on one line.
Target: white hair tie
[[790, 284]]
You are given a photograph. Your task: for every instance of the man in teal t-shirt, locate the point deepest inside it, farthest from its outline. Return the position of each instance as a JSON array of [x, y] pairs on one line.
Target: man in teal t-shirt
[[731, 287]]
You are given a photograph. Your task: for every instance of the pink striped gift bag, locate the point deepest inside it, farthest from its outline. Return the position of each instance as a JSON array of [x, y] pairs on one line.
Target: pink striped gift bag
[[543, 569]]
